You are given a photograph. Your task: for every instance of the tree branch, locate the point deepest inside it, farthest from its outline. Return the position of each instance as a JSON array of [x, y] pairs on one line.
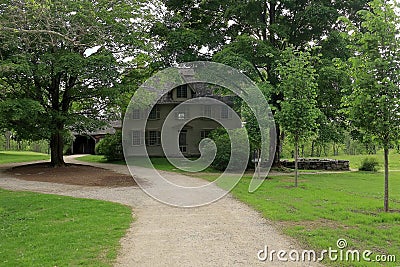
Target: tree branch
[[75, 43]]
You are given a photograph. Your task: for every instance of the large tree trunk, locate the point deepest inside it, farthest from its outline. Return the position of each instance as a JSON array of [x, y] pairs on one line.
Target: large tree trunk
[[57, 147], [386, 197]]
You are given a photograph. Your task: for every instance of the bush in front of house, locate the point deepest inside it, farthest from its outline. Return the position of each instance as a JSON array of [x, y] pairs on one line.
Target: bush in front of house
[[223, 144], [111, 147], [369, 164]]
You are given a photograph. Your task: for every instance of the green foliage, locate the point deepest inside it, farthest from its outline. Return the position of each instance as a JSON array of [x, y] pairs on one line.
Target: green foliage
[[24, 114], [373, 105], [223, 143], [46, 64], [49, 230], [298, 114], [238, 55], [111, 147], [250, 36], [369, 164]]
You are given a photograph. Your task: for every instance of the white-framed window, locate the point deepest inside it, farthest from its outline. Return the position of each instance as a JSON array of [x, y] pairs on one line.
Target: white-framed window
[[136, 114], [153, 138], [182, 113], [155, 113], [207, 111], [181, 116], [225, 112], [182, 91], [137, 138], [204, 133]]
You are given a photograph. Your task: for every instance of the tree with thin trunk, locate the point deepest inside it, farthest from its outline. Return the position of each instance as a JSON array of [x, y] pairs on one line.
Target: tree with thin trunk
[[299, 112], [61, 64], [373, 107]]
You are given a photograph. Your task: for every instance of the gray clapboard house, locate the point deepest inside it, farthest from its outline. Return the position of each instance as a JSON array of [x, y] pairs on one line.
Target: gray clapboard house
[[193, 131]]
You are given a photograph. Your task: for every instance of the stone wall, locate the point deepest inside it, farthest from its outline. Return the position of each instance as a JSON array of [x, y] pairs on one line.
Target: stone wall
[[319, 164]]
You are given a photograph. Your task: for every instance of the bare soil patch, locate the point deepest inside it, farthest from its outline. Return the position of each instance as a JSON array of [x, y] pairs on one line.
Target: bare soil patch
[[74, 174]]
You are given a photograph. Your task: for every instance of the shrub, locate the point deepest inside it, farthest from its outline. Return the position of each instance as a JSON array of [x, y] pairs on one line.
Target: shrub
[[369, 164], [223, 143], [111, 147]]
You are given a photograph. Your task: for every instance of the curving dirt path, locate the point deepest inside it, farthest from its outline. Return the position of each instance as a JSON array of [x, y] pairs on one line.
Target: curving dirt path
[[225, 233]]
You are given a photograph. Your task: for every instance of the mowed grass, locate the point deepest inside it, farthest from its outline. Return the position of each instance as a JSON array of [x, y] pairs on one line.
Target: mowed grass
[[21, 156], [98, 159], [326, 207], [355, 160], [329, 206], [48, 230]]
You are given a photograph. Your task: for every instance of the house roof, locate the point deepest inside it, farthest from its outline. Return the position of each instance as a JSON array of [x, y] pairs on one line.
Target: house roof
[[200, 90], [109, 129]]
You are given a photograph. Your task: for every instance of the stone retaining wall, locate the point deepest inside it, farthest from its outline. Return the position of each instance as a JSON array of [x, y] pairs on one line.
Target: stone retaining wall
[[319, 164]]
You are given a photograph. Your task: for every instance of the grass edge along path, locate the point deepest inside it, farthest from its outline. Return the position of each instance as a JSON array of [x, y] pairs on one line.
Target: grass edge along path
[[51, 230], [21, 156], [327, 207]]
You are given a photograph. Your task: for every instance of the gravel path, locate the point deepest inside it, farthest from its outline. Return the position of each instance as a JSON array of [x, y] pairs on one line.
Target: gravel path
[[225, 233]]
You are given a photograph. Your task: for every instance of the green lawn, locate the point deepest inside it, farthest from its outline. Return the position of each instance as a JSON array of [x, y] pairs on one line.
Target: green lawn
[[21, 156], [355, 160], [326, 207], [158, 163], [97, 159], [48, 230]]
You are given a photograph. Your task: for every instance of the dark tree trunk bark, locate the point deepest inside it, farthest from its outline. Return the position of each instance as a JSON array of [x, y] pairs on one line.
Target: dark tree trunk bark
[[272, 17], [56, 138], [268, 17], [386, 197], [277, 157], [57, 147]]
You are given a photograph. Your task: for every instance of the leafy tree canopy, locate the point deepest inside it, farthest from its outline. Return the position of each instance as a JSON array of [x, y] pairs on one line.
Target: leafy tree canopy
[[373, 106], [61, 62]]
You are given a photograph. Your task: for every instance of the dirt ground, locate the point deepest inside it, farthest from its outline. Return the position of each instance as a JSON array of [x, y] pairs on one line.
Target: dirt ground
[[74, 174]]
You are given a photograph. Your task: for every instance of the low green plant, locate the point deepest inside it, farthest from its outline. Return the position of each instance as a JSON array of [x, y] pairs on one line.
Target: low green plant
[[111, 147], [223, 144], [369, 164]]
